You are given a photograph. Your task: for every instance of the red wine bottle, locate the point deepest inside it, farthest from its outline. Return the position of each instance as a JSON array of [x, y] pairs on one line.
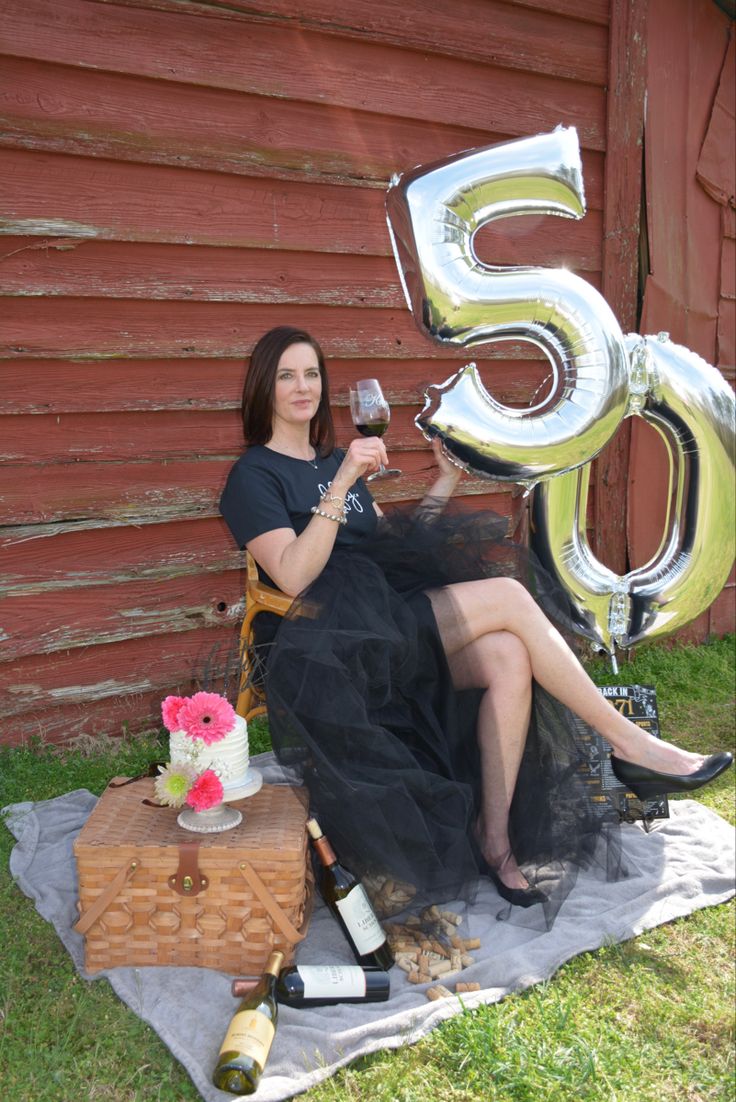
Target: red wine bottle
[[247, 1043], [347, 899], [324, 985], [372, 428]]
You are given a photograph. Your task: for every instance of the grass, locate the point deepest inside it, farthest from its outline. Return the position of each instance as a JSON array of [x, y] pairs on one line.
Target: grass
[[650, 1019]]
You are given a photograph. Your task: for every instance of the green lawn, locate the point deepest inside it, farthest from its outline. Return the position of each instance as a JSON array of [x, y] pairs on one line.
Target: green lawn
[[651, 1020]]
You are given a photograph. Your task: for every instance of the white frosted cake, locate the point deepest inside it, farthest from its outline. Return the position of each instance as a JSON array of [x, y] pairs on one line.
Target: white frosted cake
[[229, 759]]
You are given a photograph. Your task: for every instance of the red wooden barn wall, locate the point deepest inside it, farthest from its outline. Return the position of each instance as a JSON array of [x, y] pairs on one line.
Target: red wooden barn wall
[[689, 292], [177, 178]]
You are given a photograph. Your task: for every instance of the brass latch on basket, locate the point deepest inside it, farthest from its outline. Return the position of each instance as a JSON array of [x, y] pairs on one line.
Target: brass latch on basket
[[188, 880]]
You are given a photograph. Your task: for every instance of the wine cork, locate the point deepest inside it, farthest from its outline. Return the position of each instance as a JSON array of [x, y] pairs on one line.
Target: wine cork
[[467, 986], [440, 968], [438, 992], [472, 943], [315, 831]]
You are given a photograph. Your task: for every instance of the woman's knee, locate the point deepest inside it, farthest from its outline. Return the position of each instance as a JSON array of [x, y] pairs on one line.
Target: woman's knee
[[506, 662], [512, 657], [512, 590], [512, 596]]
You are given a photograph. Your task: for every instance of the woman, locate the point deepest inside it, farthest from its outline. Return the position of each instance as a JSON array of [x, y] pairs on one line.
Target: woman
[[418, 684]]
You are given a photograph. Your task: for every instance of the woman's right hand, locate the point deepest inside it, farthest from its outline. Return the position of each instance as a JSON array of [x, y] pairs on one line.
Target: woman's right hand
[[364, 456]]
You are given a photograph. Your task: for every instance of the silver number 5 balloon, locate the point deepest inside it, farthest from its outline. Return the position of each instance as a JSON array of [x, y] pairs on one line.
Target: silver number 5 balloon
[[433, 214]]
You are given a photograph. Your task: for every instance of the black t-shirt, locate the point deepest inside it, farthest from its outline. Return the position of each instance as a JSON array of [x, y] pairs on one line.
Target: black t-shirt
[[267, 490]]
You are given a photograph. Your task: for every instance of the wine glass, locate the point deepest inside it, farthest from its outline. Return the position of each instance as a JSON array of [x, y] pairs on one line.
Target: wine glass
[[371, 414]]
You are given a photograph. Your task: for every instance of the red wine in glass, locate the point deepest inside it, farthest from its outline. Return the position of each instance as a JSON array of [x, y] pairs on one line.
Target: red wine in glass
[[372, 428], [371, 414]]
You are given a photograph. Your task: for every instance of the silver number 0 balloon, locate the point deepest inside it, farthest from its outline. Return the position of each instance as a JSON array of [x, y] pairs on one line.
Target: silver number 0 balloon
[[691, 406], [434, 213]]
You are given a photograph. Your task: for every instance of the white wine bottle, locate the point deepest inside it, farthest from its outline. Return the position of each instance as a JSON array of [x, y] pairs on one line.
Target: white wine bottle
[[248, 1040], [347, 899], [324, 985]]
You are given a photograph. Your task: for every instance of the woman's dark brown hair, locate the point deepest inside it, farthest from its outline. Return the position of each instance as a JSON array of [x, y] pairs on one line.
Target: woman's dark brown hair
[[260, 382]]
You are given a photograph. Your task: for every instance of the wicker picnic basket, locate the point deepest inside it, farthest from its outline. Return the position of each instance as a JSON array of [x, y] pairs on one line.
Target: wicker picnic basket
[[152, 893]]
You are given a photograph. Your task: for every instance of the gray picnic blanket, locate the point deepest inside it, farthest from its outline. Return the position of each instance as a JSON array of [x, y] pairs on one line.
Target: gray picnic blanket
[[685, 863]]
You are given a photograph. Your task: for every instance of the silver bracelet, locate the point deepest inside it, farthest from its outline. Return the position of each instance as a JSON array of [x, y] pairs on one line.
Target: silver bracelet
[[328, 516]]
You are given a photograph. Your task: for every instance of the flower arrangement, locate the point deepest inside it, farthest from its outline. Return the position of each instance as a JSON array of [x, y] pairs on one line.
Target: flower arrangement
[[204, 718]]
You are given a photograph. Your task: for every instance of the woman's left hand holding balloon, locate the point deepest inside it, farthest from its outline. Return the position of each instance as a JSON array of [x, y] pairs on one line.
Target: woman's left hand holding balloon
[[448, 476]]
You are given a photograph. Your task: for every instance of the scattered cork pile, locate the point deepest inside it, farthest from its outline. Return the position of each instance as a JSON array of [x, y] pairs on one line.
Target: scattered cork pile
[[428, 947], [388, 896]]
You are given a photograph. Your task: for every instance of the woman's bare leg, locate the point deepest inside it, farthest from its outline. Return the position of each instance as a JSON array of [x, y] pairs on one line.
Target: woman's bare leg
[[467, 611], [498, 663]]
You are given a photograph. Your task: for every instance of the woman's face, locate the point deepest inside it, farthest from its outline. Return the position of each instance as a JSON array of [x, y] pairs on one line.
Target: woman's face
[[298, 387]]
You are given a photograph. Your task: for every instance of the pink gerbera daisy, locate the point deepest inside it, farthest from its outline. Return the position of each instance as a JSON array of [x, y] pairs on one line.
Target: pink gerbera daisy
[[170, 709], [206, 792], [206, 716]]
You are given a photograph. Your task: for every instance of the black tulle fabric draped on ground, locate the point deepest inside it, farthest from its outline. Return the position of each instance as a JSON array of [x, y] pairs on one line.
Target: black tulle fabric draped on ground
[[361, 704]]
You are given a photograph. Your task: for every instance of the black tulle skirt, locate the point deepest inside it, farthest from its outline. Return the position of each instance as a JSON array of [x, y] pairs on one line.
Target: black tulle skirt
[[361, 704]]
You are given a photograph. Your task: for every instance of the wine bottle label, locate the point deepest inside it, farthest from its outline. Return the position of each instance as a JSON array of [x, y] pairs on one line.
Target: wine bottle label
[[329, 981], [358, 916], [249, 1034]]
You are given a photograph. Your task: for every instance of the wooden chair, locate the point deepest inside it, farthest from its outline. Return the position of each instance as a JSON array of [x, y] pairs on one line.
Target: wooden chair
[[258, 598]]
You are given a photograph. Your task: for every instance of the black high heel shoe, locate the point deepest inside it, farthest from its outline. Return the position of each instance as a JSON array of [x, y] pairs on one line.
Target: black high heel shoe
[[518, 897], [646, 783]]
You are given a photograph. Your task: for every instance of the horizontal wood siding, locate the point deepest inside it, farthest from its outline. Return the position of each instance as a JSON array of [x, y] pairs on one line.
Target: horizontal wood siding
[[177, 178]]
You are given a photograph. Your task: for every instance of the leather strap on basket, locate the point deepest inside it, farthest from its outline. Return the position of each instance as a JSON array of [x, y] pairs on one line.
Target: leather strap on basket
[[105, 898], [188, 880], [289, 931]]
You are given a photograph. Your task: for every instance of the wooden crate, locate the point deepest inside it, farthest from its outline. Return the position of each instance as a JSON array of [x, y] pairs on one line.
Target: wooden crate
[[151, 893]]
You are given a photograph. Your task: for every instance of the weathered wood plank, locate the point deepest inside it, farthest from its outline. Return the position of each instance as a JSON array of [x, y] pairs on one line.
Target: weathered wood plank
[[62, 386], [54, 108], [119, 436], [49, 327], [161, 43], [41, 559], [111, 491], [79, 267], [627, 87], [112, 269], [146, 492], [530, 40], [593, 11], [115, 716], [164, 434], [722, 613], [129, 202], [89, 616], [84, 675], [623, 172], [120, 201], [93, 615]]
